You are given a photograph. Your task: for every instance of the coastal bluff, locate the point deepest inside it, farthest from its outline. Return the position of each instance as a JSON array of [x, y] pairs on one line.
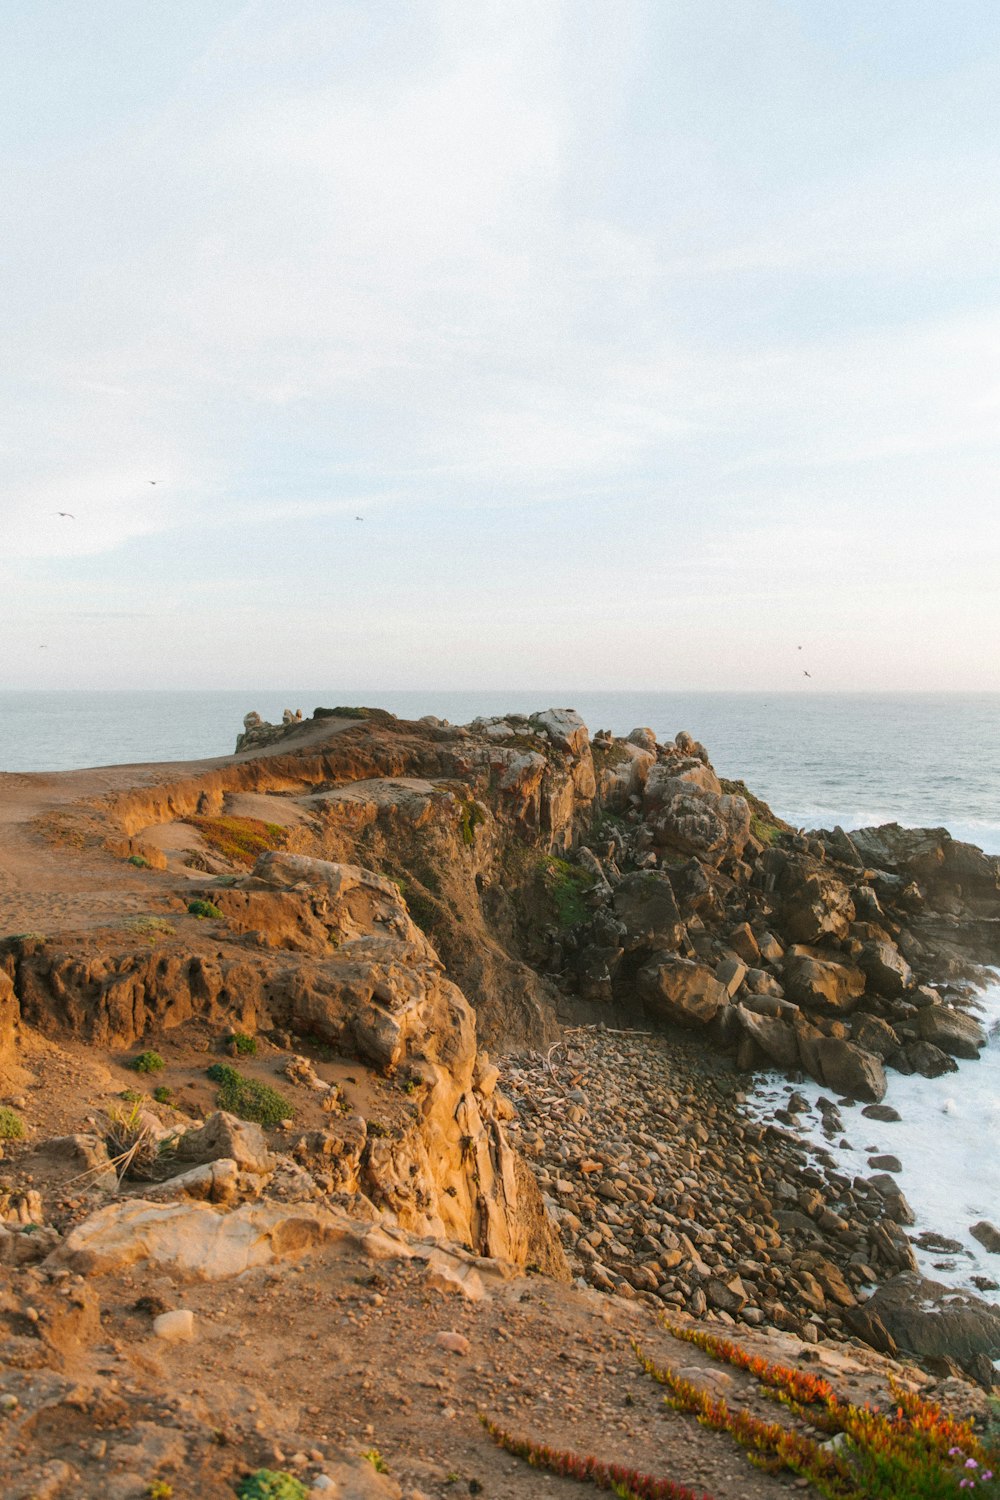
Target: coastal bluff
[[479, 1003]]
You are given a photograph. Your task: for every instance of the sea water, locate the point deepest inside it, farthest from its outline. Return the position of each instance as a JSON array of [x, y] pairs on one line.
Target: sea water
[[819, 759]]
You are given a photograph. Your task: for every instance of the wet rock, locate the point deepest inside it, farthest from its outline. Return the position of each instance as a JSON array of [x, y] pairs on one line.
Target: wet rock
[[951, 1030], [926, 1318], [988, 1236]]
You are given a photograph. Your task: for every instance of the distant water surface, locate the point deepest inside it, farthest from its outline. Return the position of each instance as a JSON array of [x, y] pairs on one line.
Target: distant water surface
[[919, 759]]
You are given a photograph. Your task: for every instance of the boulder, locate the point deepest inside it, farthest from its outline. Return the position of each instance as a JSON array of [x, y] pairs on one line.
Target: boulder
[[223, 1136], [931, 1320], [193, 1239], [646, 907], [816, 905], [951, 1030], [744, 944], [821, 983], [775, 1038], [644, 738], [677, 989], [988, 1236], [885, 968], [565, 729], [840, 1065], [875, 1035], [711, 828], [927, 1060]]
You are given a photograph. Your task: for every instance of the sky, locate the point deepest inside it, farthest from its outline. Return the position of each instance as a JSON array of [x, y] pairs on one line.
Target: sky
[[650, 340]]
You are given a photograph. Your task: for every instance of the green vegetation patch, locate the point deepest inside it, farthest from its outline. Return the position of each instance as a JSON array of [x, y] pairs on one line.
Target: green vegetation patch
[[150, 926], [566, 885], [242, 1045], [271, 1484], [470, 818], [247, 1098], [148, 1062], [377, 715], [609, 755], [11, 1125], [240, 839], [201, 908], [765, 825], [140, 862]]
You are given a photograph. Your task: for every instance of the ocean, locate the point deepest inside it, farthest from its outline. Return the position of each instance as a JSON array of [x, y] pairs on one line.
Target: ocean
[[927, 759]]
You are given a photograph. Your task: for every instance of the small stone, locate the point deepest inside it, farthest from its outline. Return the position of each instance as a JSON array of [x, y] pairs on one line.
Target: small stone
[[455, 1343], [175, 1327]]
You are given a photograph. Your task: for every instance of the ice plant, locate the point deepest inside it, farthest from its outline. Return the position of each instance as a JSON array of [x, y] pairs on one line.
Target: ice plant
[[628, 1484], [915, 1452]]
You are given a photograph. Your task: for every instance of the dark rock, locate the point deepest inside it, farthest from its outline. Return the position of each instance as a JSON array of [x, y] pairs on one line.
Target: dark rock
[[884, 1112], [988, 1236], [647, 909], [874, 1035], [885, 968], [929, 1061], [951, 1030], [927, 1318]]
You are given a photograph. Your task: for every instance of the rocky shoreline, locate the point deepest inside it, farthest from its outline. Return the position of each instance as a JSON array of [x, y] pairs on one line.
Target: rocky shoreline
[[498, 988]]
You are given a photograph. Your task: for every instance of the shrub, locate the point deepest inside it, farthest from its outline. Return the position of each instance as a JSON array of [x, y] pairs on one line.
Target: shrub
[[242, 1045], [133, 1150], [148, 1062], [374, 1457], [163, 1095], [139, 861], [271, 1484], [201, 908], [159, 1490], [240, 839], [11, 1125], [566, 885], [247, 1098]]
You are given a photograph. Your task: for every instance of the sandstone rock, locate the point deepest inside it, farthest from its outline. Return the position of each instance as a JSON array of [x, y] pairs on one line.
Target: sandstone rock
[[951, 1030], [676, 989], [192, 1239], [212, 1182], [875, 1035], [744, 944], [886, 969], [175, 1327], [819, 982], [731, 973], [10, 1012], [644, 903], [565, 729], [841, 1065], [776, 1039], [929, 1319], [224, 1136], [454, 1343], [988, 1236], [816, 906], [454, 1278], [644, 738]]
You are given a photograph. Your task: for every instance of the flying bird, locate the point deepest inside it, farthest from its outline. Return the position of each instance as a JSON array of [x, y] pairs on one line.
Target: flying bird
[[152, 481], [359, 518], [807, 674], [67, 513]]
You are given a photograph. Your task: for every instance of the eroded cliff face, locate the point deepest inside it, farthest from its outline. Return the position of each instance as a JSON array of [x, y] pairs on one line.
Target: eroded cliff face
[[327, 951]]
